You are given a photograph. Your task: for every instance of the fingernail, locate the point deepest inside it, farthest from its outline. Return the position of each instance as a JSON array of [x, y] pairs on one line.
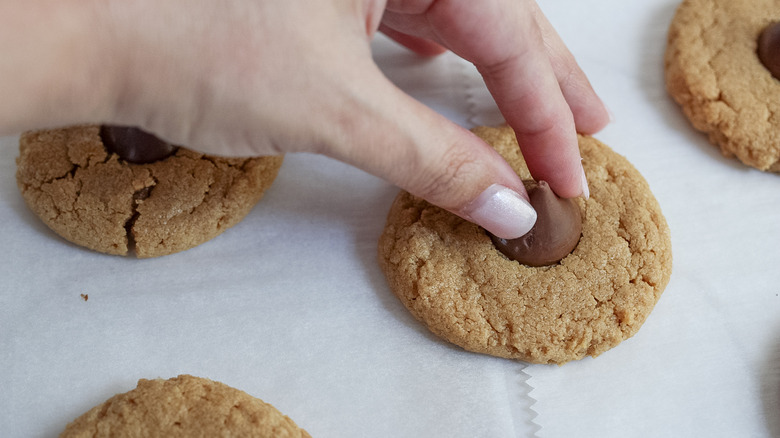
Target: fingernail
[[610, 114], [585, 188], [501, 211]]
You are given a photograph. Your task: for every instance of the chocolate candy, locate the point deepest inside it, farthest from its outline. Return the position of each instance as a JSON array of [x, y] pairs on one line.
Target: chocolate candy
[[769, 48], [134, 145], [554, 236]]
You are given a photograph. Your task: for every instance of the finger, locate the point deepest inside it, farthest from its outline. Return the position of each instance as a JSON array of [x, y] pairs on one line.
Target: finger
[[420, 46], [590, 114], [513, 60], [519, 75], [397, 138]]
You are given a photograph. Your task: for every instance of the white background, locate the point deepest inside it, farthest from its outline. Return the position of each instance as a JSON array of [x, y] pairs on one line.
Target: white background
[[291, 307]]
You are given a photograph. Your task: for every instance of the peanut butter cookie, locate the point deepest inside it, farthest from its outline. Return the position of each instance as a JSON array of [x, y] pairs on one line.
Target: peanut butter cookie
[[449, 274], [92, 197], [184, 406], [715, 72]]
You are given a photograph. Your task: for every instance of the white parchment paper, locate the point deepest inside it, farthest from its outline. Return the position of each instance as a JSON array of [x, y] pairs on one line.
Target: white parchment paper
[[291, 307]]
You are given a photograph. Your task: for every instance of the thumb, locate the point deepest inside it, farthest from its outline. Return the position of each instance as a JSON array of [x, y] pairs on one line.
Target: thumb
[[395, 137]]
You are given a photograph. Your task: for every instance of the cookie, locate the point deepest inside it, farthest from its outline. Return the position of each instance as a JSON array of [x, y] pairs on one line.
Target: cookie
[[714, 72], [184, 406], [93, 198], [450, 276]]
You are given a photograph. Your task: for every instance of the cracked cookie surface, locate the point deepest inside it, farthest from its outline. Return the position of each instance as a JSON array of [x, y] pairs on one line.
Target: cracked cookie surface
[[184, 406], [92, 198], [450, 276], [713, 71]]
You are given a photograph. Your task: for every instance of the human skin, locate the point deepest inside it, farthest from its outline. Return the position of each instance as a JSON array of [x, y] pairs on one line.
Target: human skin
[[241, 77]]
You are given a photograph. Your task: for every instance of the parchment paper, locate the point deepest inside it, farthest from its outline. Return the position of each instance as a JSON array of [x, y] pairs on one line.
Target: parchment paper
[[291, 307]]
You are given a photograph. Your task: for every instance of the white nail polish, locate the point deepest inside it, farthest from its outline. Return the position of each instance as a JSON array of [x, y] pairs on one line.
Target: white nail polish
[[585, 188], [502, 211]]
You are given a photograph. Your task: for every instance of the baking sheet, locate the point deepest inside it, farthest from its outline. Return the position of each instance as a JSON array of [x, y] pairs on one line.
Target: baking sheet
[[291, 307]]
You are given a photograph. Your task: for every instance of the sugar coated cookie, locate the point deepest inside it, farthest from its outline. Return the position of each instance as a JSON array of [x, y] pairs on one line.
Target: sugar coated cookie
[[184, 406], [92, 197], [719, 66], [450, 275]]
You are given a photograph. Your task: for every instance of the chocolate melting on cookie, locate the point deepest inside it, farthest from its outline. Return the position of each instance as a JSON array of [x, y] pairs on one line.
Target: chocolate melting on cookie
[[769, 48], [135, 145], [554, 236]]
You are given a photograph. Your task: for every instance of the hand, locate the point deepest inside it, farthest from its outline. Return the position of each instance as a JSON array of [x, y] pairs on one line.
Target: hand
[[241, 77]]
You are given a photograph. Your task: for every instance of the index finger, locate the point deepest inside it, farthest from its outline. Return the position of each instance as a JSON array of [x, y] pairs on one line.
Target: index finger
[[503, 40]]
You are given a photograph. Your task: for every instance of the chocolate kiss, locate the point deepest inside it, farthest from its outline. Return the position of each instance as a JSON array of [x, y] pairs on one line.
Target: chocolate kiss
[[769, 48], [554, 236], [134, 145]]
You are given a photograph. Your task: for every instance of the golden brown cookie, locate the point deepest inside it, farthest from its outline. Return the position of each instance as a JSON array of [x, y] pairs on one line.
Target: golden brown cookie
[[450, 276], [714, 72], [184, 406], [93, 198]]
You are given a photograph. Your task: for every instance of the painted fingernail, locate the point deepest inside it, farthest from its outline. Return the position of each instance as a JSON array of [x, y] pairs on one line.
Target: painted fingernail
[[502, 211], [585, 188], [610, 114]]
